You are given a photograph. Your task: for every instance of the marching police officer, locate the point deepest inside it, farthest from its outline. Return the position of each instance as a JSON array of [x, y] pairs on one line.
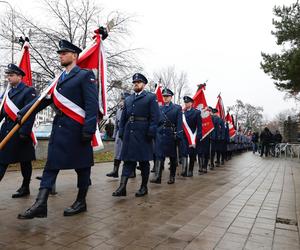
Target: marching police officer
[[192, 127], [214, 135], [138, 127], [221, 142], [70, 141], [168, 134], [118, 141], [20, 148]]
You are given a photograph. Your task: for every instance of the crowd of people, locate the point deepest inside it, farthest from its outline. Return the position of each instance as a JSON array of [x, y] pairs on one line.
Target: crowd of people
[[265, 141]]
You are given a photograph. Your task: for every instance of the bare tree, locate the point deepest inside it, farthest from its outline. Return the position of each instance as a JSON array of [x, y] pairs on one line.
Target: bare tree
[[177, 82], [74, 21], [247, 115]]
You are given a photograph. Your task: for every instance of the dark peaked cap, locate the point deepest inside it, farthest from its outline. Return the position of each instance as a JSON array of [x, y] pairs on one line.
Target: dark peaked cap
[[66, 46], [12, 68]]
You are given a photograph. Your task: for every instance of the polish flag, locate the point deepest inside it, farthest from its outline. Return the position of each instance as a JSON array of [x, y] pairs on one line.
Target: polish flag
[[232, 131], [220, 108], [93, 58], [159, 95], [200, 104]]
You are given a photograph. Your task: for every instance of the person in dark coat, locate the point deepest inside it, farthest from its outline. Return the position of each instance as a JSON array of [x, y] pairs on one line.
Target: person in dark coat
[[277, 137], [118, 141], [221, 142], [70, 141], [225, 152], [169, 135], [193, 126], [20, 148], [254, 140], [214, 136], [137, 130], [265, 139]]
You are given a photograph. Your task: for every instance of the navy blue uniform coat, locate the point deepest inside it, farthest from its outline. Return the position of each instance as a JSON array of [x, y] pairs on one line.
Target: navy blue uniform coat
[[17, 150], [138, 135], [166, 143], [66, 149]]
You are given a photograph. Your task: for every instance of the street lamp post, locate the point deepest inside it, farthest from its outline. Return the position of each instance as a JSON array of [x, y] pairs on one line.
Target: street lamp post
[[12, 30]]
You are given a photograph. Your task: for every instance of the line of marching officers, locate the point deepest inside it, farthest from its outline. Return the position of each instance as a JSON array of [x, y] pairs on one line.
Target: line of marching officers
[[146, 131]]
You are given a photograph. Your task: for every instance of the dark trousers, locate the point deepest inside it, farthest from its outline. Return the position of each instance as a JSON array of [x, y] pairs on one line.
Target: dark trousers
[[49, 177], [265, 148], [129, 167], [212, 151], [173, 165], [26, 170]]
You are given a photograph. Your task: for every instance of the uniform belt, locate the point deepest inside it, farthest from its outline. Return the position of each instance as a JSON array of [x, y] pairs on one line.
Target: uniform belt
[[137, 118], [59, 112]]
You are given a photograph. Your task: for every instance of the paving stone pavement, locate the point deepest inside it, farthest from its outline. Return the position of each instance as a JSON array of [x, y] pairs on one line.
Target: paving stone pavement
[[250, 203]]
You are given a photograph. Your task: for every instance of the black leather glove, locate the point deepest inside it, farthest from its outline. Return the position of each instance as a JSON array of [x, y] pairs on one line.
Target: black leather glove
[[18, 119], [24, 137], [85, 137]]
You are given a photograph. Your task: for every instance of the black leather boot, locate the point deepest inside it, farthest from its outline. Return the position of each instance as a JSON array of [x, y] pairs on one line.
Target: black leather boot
[[121, 191], [172, 171], [191, 167], [171, 179], [21, 192], [205, 164], [143, 189], [200, 164], [115, 172], [79, 205], [39, 208], [158, 172], [184, 164], [133, 174]]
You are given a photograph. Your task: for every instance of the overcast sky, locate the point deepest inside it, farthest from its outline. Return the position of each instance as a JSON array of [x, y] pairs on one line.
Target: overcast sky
[[216, 40]]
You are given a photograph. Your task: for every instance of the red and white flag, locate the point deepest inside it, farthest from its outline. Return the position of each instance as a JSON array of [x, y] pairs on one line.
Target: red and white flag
[[93, 58], [10, 108], [229, 120], [159, 95], [220, 108], [25, 65], [200, 104]]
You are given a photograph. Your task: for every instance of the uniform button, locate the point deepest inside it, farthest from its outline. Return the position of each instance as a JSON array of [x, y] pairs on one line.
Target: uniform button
[[59, 126], [59, 89], [131, 131], [133, 105]]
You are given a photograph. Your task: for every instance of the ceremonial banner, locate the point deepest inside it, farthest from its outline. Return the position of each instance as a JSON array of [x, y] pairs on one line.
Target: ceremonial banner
[[200, 104], [220, 108], [93, 58], [229, 120], [24, 64]]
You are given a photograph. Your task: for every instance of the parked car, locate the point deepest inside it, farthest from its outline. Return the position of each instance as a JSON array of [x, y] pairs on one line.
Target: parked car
[[43, 131]]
